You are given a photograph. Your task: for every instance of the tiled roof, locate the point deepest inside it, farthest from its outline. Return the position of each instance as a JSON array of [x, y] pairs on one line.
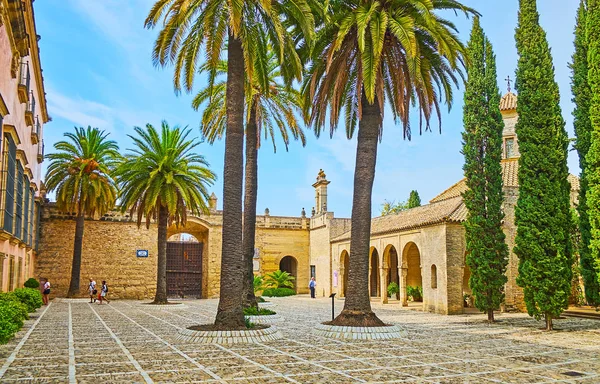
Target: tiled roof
[[450, 210], [510, 173], [508, 102]]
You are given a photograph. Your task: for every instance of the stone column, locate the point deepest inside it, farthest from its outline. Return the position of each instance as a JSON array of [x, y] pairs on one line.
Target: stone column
[[341, 281], [383, 273], [403, 272]]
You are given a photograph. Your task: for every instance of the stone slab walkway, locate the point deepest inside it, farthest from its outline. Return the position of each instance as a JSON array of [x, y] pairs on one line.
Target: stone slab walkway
[[128, 342]]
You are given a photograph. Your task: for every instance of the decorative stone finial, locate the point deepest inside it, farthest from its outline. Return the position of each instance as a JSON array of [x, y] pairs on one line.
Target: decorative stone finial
[[266, 211], [313, 211], [212, 202], [303, 213], [321, 175], [508, 81]]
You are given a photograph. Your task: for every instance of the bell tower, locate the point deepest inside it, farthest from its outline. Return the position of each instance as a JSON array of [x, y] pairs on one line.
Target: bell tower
[[321, 193]]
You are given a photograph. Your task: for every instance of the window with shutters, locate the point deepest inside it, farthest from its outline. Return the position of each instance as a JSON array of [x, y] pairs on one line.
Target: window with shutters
[[8, 177], [11, 273], [26, 210], [19, 273], [19, 203], [2, 257], [31, 216]]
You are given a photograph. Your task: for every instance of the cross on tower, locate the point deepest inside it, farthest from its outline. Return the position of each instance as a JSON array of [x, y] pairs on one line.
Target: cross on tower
[[508, 80]]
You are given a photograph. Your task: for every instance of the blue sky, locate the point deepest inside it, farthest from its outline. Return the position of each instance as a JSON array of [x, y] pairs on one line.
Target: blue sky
[[98, 71]]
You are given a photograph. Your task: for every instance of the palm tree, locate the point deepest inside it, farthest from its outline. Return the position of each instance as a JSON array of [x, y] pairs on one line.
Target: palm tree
[[266, 111], [192, 26], [162, 179], [369, 53], [80, 172]]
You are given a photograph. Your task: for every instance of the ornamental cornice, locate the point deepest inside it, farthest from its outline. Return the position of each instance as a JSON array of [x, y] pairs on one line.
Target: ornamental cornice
[[35, 59]]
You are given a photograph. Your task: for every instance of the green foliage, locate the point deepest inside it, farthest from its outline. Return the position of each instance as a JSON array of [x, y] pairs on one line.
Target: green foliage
[[10, 296], [414, 200], [487, 252], [543, 219], [12, 314], [80, 171], [260, 299], [279, 279], [248, 323], [391, 207], [253, 311], [278, 292], [593, 156], [32, 283], [32, 298], [393, 289], [414, 293], [259, 284], [583, 130], [164, 171]]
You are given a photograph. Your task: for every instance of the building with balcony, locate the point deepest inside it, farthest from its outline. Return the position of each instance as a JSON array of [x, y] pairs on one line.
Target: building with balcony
[[23, 113]]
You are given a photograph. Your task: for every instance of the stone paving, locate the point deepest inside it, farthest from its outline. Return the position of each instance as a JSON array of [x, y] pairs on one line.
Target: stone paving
[[127, 342]]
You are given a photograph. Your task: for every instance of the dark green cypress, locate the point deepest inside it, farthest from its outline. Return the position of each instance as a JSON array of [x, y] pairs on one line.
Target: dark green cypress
[[583, 131], [414, 200], [593, 155], [542, 213], [487, 252]]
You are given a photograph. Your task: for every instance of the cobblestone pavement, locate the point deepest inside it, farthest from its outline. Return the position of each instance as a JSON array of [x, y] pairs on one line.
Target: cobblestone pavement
[[126, 341]]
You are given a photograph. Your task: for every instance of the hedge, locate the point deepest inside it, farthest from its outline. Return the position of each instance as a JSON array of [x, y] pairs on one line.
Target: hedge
[[32, 283], [253, 311], [32, 298], [278, 292], [12, 314]]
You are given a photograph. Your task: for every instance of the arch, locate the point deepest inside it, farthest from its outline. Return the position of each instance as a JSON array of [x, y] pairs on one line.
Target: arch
[[411, 260], [344, 266], [183, 236], [433, 276], [374, 280], [289, 264], [391, 263]]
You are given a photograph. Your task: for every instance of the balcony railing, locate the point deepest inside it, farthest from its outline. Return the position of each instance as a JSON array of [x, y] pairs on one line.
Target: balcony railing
[[40, 156], [36, 131], [30, 111], [24, 82]]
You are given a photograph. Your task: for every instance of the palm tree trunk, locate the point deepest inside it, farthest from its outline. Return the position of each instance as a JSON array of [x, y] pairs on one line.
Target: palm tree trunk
[[357, 307], [230, 313], [161, 273], [549, 326], [250, 195], [76, 266]]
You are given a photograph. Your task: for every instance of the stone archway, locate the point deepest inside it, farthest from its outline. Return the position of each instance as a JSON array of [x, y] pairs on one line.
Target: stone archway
[[344, 266], [187, 260], [289, 264], [411, 261], [391, 271], [374, 278]]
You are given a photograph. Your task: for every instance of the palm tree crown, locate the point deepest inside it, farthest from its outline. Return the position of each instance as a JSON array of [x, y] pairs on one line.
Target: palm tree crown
[[80, 172], [397, 51], [162, 171]]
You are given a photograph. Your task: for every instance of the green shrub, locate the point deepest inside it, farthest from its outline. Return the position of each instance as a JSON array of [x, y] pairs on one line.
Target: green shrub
[[12, 314], [415, 293], [253, 311], [278, 292], [259, 284], [248, 323], [393, 289], [32, 298], [260, 299], [280, 279], [32, 283]]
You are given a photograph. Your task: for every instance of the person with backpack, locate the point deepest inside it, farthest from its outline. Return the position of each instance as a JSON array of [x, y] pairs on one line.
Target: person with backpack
[[104, 292]]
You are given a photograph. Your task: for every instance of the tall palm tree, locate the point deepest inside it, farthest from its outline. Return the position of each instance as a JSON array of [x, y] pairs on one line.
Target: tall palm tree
[[370, 54], [192, 26], [162, 179], [80, 172], [267, 111]]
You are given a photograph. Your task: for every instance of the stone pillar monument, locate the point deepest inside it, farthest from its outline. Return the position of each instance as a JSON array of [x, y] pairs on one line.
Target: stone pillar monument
[[321, 192]]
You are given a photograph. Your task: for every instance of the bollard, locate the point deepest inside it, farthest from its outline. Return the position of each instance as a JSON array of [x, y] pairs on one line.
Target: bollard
[[332, 306]]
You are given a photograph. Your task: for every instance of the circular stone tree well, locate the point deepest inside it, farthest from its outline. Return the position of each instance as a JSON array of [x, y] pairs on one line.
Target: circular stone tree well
[[258, 335], [358, 333]]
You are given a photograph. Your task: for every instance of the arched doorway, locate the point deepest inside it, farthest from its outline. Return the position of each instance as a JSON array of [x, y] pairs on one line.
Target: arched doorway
[[412, 258], [290, 265], [374, 278], [467, 293], [184, 266], [344, 266], [393, 275]]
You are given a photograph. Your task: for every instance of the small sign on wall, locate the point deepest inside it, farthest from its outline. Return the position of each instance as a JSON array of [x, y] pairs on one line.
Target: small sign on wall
[[335, 278], [142, 253]]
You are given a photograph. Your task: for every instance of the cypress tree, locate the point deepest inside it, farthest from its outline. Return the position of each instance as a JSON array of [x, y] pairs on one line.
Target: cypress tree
[[583, 129], [414, 200], [487, 252], [542, 213], [593, 155]]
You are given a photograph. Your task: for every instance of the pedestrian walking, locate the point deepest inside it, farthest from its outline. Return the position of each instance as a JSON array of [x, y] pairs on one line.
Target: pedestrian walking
[[104, 292], [312, 285], [46, 291], [92, 290]]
